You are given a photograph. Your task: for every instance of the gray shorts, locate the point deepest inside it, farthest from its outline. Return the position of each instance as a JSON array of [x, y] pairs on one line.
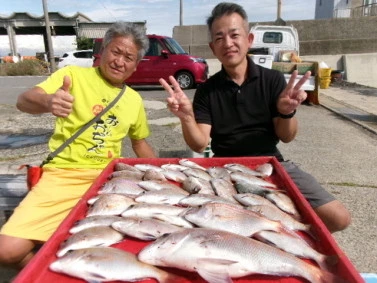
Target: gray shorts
[[314, 193]]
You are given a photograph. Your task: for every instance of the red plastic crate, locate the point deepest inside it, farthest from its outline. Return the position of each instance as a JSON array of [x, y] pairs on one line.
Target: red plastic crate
[[37, 270]]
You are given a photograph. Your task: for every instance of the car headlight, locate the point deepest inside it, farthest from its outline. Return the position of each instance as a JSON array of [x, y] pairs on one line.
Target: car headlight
[[198, 60]]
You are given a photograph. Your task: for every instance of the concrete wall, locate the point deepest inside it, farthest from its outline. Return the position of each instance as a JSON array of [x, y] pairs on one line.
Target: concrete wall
[[361, 68], [348, 44], [358, 68], [317, 37], [337, 36]]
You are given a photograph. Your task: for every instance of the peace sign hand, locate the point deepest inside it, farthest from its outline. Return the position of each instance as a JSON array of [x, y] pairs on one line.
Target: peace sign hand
[[292, 96], [177, 101]]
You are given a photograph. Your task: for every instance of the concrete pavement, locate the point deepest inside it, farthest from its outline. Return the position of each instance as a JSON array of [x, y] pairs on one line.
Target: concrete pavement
[[342, 156], [359, 104]]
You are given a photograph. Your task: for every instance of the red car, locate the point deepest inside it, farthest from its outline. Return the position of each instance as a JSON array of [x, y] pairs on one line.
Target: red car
[[164, 58]]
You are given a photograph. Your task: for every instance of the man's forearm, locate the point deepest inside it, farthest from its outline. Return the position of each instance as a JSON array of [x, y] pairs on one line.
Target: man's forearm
[[286, 129], [142, 149], [33, 101], [194, 136]]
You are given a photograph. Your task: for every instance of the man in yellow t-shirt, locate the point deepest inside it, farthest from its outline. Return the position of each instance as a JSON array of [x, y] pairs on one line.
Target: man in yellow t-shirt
[[75, 95]]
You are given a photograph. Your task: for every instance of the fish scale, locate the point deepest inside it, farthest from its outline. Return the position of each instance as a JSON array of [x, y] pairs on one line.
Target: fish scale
[[110, 204], [90, 237], [274, 213], [232, 218], [195, 185], [164, 196], [219, 256], [100, 264], [224, 188], [93, 221], [121, 186], [250, 179]]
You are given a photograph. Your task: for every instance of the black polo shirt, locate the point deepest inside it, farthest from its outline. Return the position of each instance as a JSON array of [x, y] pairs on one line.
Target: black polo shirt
[[241, 116]]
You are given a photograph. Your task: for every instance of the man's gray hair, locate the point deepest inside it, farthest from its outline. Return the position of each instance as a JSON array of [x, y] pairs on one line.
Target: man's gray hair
[[134, 31], [226, 9]]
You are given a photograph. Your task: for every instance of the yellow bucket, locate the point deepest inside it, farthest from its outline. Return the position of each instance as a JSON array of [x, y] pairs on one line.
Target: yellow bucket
[[325, 83], [325, 72]]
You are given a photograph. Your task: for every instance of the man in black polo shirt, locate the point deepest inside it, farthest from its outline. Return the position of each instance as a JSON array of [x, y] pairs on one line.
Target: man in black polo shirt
[[246, 109]]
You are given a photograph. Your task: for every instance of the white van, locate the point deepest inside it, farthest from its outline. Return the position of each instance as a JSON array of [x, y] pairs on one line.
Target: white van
[[270, 40], [276, 44]]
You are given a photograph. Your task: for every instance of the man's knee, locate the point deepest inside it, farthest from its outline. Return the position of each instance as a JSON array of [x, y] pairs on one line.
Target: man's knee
[[343, 221], [8, 256], [13, 251], [334, 215]]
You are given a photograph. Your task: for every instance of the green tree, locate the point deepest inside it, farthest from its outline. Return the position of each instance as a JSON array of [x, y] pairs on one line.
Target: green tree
[[84, 43]]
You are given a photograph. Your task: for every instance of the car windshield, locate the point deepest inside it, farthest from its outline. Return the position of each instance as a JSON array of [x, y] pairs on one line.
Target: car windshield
[[173, 46], [273, 37]]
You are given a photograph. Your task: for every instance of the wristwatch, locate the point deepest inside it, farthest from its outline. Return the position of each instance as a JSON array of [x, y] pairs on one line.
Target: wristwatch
[[289, 116]]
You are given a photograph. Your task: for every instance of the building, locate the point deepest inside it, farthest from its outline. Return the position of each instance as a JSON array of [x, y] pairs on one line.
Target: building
[[327, 9], [79, 25]]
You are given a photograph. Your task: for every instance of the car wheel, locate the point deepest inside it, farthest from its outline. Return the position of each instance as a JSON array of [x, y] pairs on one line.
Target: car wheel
[[185, 80]]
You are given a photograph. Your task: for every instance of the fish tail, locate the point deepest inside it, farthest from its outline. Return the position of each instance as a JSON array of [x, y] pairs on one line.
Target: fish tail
[[327, 261], [308, 230], [323, 276], [173, 278], [332, 260], [329, 277]]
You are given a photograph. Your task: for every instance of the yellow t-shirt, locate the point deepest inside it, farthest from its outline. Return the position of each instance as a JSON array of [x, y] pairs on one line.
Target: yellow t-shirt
[[101, 142]]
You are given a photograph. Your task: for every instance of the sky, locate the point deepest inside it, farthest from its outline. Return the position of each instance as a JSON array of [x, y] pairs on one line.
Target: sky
[[160, 15]]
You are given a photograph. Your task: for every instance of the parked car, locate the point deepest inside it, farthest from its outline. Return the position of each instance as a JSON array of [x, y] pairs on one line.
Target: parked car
[[83, 58], [164, 58]]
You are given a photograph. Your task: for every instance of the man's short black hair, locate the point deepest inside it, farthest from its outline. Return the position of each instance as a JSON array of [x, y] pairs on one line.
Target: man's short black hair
[[226, 8]]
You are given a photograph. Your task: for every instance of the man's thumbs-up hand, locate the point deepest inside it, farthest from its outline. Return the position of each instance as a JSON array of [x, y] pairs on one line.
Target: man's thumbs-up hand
[[61, 102]]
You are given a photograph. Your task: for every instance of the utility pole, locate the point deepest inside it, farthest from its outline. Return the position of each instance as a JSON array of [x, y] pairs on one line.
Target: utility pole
[[50, 52], [180, 12], [279, 10], [279, 21]]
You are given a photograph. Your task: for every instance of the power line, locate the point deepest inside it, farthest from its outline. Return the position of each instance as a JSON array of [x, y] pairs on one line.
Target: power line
[[103, 5]]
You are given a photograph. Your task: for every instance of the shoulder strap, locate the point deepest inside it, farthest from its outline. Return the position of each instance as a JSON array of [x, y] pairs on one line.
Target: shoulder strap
[[83, 128]]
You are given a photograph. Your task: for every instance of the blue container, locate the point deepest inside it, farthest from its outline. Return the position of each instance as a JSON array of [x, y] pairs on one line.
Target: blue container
[[369, 277]]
